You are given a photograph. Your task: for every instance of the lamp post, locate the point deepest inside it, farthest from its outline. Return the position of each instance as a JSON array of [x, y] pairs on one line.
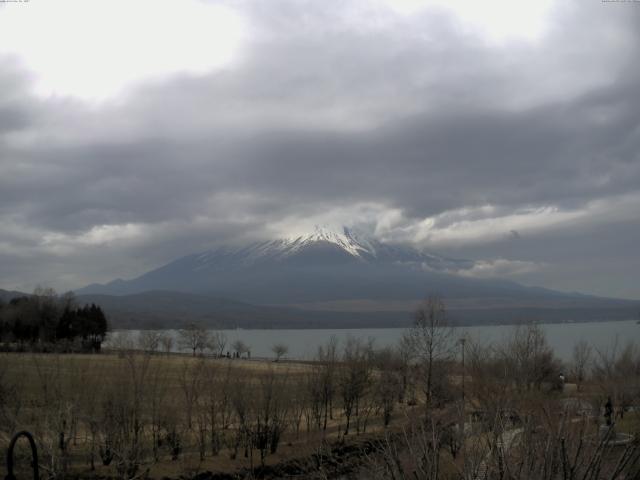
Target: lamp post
[[463, 340]]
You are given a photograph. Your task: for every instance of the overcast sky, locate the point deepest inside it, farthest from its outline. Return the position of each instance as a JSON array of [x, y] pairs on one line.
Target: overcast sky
[[507, 132]]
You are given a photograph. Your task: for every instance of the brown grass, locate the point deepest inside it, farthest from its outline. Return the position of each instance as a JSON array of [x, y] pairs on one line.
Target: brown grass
[[81, 379]]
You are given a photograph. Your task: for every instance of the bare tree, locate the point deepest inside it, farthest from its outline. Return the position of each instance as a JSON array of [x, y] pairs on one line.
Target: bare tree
[[240, 347], [193, 337], [68, 300], [299, 398], [279, 350], [149, 340], [580, 361], [56, 415], [530, 359], [550, 444], [314, 395], [240, 398], [217, 343], [217, 405], [270, 412], [354, 377], [157, 402], [322, 384], [387, 383], [10, 401], [123, 420], [166, 342], [404, 355], [190, 380], [617, 374], [121, 341], [416, 453], [431, 339]]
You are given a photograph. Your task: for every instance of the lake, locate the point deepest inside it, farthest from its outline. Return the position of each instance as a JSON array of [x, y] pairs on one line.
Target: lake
[[303, 344]]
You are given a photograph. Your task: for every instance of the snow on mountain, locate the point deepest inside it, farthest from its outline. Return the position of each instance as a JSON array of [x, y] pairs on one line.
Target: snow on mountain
[[344, 245], [326, 267], [323, 263], [345, 242]]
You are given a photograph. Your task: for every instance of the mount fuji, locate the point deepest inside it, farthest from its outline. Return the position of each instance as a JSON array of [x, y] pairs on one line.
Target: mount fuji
[[341, 274], [319, 266]]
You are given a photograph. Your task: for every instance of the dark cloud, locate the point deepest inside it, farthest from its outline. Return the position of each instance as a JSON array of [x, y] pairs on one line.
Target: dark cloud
[[438, 136]]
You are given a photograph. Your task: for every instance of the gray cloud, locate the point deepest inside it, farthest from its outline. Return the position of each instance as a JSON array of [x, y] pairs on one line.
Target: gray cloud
[[425, 133]]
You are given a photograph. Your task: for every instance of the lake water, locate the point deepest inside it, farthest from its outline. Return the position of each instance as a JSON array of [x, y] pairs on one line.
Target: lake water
[[303, 344]]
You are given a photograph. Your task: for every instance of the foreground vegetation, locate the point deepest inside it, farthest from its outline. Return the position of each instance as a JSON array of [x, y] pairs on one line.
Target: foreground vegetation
[[507, 411]]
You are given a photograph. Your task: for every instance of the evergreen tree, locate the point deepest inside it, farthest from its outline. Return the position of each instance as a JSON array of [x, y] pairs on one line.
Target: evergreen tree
[[67, 325], [47, 318]]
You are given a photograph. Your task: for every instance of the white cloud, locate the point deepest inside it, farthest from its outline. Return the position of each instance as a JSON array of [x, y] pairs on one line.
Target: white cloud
[[94, 50], [499, 268], [466, 226], [487, 224], [497, 20], [99, 235]]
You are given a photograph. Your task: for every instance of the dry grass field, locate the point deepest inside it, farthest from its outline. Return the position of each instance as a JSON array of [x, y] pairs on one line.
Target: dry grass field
[[177, 413], [130, 414]]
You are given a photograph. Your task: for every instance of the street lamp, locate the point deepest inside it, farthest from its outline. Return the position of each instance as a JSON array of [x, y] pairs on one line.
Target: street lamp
[[463, 341]]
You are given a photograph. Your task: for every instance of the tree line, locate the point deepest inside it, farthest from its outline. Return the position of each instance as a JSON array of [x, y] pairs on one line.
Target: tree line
[[46, 321]]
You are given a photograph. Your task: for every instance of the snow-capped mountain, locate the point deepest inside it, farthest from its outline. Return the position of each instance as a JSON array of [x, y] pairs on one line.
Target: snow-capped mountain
[[323, 265], [307, 279], [323, 245]]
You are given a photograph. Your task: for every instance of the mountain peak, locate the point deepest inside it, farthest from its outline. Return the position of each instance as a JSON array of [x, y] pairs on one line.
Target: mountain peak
[[343, 238]]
